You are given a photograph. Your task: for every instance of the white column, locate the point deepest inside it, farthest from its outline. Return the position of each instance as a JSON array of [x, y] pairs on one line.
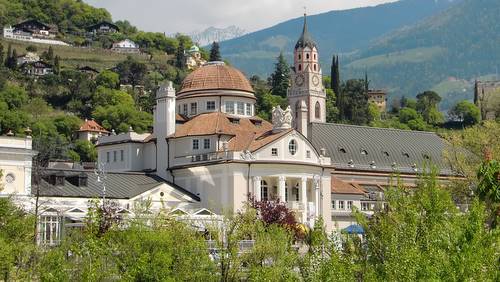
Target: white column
[[316, 194], [257, 192], [303, 198], [281, 188]]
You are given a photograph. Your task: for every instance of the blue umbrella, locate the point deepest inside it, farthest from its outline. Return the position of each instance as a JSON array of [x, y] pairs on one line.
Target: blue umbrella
[[354, 229]]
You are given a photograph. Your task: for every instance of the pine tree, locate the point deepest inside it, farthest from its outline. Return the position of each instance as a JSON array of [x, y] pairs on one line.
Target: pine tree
[[280, 79], [215, 52], [50, 55]]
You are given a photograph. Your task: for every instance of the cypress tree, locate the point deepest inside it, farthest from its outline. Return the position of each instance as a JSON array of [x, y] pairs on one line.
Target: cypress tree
[[1, 53], [215, 52], [335, 85], [179, 55], [9, 54], [57, 65], [280, 79], [12, 60]]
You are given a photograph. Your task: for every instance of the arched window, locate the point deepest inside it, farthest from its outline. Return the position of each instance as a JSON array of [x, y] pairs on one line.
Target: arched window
[[264, 196], [315, 56], [292, 147], [300, 57], [317, 111], [300, 67], [315, 67], [307, 56]]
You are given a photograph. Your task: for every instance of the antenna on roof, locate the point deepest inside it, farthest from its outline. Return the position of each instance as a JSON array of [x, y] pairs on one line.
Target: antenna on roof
[[100, 172]]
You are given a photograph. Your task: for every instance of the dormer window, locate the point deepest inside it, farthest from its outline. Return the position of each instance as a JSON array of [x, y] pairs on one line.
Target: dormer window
[[256, 122], [234, 120], [342, 150], [406, 155], [364, 152], [386, 153]]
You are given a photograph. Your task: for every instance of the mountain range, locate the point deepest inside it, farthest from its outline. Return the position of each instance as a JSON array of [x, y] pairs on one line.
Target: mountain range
[[212, 34], [405, 47]]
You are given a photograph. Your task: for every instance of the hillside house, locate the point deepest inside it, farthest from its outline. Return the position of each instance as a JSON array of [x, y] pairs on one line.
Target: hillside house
[[33, 31], [103, 27], [126, 46], [38, 68], [29, 57], [379, 98], [90, 130]]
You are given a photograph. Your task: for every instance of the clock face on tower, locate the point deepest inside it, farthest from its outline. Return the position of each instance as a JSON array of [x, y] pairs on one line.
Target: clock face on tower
[[315, 80], [299, 80]]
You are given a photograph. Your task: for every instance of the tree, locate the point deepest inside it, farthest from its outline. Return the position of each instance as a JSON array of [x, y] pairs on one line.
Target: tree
[[131, 72], [8, 56], [280, 79], [335, 75], [2, 56], [48, 55], [465, 112], [373, 112], [108, 79], [332, 112], [215, 52], [12, 60], [57, 65], [31, 48], [355, 102], [85, 150], [276, 212], [180, 56], [427, 105], [16, 239]]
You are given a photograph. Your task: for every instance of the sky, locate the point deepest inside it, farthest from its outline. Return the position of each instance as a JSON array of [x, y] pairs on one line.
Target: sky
[[186, 16]]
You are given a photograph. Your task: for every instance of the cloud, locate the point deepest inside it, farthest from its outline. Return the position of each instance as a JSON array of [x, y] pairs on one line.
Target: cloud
[[185, 16]]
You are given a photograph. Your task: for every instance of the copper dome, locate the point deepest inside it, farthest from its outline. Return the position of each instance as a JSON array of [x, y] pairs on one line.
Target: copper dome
[[216, 76]]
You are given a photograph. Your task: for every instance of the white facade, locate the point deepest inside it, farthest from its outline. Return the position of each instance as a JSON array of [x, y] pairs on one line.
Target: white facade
[[16, 165], [10, 33], [126, 46]]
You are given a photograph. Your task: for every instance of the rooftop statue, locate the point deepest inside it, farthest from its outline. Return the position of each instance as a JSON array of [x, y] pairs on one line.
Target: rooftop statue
[[282, 119]]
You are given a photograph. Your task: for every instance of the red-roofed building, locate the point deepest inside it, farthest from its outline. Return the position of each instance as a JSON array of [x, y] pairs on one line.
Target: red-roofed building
[[90, 130]]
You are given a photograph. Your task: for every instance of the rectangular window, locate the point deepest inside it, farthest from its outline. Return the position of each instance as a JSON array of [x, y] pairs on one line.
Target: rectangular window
[[194, 108], [274, 151], [333, 204], [308, 154], [114, 156], [206, 143], [241, 108], [210, 105], [349, 205], [249, 109], [196, 144], [185, 109], [365, 206], [107, 156], [230, 107], [121, 155], [49, 230], [341, 205]]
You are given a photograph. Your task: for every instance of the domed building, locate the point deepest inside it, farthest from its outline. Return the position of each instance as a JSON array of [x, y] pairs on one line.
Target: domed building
[[209, 151]]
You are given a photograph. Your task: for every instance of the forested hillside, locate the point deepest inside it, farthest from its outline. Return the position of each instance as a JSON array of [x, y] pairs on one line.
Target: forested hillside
[[335, 32], [461, 42]]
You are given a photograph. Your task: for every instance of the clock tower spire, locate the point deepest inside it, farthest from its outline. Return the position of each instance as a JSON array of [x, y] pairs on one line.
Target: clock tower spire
[[307, 96]]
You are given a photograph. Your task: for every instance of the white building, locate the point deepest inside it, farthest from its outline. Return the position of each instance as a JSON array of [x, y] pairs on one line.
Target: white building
[[213, 153], [126, 46], [15, 164], [90, 130]]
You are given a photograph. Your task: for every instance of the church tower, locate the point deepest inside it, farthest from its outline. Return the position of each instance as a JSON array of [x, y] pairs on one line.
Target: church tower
[[307, 96]]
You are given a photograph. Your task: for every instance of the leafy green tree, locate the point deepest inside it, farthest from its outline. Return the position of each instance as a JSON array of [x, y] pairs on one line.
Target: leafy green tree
[[108, 79], [408, 103], [373, 112], [215, 53], [8, 56], [407, 114], [85, 150], [131, 71], [122, 117], [57, 65], [427, 105], [16, 240], [280, 78], [466, 112], [2, 56], [332, 112], [355, 102], [37, 107]]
